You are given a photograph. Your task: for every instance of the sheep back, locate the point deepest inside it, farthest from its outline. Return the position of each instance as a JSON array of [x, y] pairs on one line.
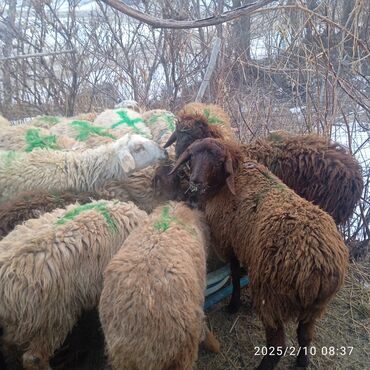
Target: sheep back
[[51, 268], [151, 307], [122, 121], [317, 170], [295, 256]]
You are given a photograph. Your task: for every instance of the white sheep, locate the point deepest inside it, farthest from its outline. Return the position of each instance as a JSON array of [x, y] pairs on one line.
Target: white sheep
[[75, 170], [151, 306], [162, 124], [122, 121], [4, 123], [27, 138], [51, 269]]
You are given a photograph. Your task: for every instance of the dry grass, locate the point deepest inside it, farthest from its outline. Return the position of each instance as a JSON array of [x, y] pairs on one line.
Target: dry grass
[[346, 323]]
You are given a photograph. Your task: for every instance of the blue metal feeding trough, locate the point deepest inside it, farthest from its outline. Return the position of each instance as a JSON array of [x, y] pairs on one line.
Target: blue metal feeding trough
[[216, 290]]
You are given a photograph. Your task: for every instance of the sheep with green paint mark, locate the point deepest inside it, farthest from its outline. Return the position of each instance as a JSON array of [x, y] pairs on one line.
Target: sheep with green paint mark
[[84, 132], [122, 121], [51, 269], [151, 306], [162, 124], [80, 170], [27, 138]]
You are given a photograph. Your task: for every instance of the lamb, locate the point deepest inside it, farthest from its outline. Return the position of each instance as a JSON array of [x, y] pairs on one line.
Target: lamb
[[151, 306], [319, 171], [27, 138], [51, 269], [294, 253], [33, 204], [87, 170], [123, 121]]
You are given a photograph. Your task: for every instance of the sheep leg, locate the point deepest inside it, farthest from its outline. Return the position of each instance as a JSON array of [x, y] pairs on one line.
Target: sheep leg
[[275, 343], [235, 302], [305, 332]]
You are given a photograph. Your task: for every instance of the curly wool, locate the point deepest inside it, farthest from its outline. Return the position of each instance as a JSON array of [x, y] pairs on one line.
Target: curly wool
[[33, 204], [212, 114], [122, 121], [295, 256], [87, 170], [51, 269], [27, 138], [151, 307], [317, 170]]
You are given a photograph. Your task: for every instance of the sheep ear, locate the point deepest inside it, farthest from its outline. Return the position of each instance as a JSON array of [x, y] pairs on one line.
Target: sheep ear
[[229, 170], [127, 161], [171, 140]]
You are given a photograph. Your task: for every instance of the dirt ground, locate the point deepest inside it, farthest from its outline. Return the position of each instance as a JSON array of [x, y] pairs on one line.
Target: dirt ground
[[346, 324]]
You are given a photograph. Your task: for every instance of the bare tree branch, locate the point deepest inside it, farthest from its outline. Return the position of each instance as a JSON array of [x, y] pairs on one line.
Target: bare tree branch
[[176, 24], [36, 55]]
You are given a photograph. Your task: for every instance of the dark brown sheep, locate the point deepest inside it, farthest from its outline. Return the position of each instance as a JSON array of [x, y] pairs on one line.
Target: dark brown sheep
[[294, 253], [319, 171]]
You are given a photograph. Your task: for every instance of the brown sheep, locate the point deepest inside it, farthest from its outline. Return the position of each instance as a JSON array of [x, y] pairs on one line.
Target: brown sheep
[[151, 306], [197, 121], [51, 269], [294, 253], [319, 171]]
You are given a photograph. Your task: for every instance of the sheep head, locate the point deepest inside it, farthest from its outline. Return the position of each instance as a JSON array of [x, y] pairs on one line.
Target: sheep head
[[166, 187], [188, 129], [212, 164], [136, 152]]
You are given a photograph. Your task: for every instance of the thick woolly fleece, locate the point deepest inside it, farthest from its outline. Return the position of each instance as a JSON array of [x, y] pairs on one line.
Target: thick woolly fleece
[[317, 170], [122, 121], [213, 114], [151, 307], [33, 204], [295, 256], [44, 170], [27, 138], [51, 269]]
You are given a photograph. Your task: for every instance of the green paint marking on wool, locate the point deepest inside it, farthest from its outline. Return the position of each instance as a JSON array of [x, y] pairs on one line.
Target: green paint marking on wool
[[51, 120], [212, 120], [167, 117], [100, 207], [126, 120], [275, 137], [164, 223], [86, 129], [275, 184], [9, 156], [35, 140]]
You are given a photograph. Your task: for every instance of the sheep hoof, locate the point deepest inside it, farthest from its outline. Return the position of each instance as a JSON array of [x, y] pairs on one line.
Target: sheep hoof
[[233, 307], [302, 361]]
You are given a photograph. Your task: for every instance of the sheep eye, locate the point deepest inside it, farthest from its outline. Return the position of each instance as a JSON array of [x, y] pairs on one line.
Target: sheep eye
[[138, 148]]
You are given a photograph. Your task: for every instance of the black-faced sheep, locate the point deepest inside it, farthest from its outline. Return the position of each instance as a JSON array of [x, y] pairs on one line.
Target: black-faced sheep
[[319, 171], [151, 306], [51, 269], [294, 253], [87, 170]]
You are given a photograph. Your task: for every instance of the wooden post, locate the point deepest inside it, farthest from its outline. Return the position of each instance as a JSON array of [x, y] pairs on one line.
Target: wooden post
[[210, 68]]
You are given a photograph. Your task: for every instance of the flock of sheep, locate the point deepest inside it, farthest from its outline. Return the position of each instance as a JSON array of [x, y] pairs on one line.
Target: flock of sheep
[[94, 213]]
